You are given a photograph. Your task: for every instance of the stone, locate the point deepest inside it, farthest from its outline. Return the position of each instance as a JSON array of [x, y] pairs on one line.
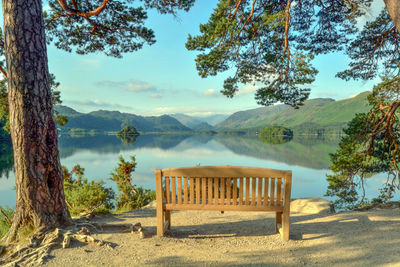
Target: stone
[[314, 205], [84, 231]]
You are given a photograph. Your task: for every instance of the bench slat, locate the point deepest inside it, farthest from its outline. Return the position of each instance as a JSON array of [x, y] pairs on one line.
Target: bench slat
[[216, 186], [210, 191], [191, 185], [185, 190], [259, 199], [240, 191], [222, 193], [272, 195], [179, 190], [167, 188], [253, 191], [278, 192], [228, 189], [173, 184], [266, 193], [234, 194], [198, 186], [204, 190], [247, 190]]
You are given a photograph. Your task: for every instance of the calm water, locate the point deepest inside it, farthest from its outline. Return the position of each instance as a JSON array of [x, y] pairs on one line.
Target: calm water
[[308, 158]]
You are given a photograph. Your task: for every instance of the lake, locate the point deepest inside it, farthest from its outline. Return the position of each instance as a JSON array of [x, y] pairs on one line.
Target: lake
[[307, 157]]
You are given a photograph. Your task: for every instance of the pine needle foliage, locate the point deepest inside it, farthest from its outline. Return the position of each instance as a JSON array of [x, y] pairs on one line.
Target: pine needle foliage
[[130, 197], [85, 197]]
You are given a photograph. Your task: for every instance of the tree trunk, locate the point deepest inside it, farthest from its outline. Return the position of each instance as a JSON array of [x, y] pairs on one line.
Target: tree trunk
[[393, 6], [38, 176]]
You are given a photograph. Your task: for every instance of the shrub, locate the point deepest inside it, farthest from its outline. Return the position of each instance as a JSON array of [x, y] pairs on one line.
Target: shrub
[[86, 197], [130, 197]]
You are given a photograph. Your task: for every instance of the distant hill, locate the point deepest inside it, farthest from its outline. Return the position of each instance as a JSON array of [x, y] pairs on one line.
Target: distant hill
[[186, 120], [204, 126], [103, 120], [191, 121], [316, 113], [214, 119]]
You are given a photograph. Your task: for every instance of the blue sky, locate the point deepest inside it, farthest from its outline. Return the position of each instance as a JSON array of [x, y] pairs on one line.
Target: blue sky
[[162, 78]]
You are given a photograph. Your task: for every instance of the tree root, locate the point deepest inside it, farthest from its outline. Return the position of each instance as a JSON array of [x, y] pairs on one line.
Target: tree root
[[35, 251]]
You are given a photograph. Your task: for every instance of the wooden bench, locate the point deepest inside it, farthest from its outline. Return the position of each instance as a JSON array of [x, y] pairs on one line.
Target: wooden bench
[[223, 188]]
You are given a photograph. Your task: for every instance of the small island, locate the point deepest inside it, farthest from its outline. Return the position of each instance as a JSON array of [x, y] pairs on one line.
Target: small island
[[128, 134], [275, 134]]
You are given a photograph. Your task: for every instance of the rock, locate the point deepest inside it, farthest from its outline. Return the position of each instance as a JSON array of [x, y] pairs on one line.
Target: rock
[[84, 231], [136, 227], [151, 205], [314, 205], [66, 242]]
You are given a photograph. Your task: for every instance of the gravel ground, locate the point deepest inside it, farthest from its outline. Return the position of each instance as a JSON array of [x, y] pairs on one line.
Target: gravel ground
[[209, 238]]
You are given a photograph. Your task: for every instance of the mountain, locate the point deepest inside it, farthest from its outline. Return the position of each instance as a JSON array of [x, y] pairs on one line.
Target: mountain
[[103, 120], [204, 126], [186, 120], [316, 113], [214, 119], [191, 121]]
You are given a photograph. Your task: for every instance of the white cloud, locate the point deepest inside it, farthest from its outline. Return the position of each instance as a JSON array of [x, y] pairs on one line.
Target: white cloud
[[89, 64], [132, 85], [210, 92], [97, 104], [247, 89], [192, 111], [156, 95]]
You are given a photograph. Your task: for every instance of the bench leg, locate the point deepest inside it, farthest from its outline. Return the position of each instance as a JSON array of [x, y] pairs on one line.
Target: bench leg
[[285, 226], [160, 221], [168, 218], [278, 220]]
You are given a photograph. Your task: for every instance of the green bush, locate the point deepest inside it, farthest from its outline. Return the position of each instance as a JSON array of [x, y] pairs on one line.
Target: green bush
[[6, 215], [130, 197], [86, 197]]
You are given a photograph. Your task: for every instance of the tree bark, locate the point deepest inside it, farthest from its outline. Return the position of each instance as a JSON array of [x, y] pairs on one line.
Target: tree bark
[[38, 176], [393, 7]]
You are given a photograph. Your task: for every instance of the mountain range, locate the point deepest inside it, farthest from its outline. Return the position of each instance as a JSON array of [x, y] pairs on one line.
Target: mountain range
[[104, 120], [315, 115], [192, 121]]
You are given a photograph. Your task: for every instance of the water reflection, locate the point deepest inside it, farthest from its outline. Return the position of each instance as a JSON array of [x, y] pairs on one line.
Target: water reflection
[[309, 152], [104, 144], [6, 158], [307, 157]]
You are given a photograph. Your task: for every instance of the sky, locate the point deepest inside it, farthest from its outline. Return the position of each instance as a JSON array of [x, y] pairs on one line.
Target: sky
[[162, 78]]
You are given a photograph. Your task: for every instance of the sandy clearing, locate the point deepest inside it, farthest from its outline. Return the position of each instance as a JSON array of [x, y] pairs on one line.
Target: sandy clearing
[[209, 238]]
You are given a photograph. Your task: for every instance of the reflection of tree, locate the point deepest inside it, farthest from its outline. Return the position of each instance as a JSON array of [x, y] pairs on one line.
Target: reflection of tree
[[127, 139], [111, 144], [276, 140], [6, 158], [309, 152]]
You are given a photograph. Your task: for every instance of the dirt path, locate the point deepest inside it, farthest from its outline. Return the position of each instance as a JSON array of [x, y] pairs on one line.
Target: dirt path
[[209, 238]]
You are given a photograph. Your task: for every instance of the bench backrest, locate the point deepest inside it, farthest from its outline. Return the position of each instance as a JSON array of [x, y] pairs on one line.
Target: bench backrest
[[225, 188]]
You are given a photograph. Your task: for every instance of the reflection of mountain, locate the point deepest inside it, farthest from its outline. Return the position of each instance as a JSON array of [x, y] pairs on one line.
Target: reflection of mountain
[[6, 158], [111, 144], [309, 152]]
